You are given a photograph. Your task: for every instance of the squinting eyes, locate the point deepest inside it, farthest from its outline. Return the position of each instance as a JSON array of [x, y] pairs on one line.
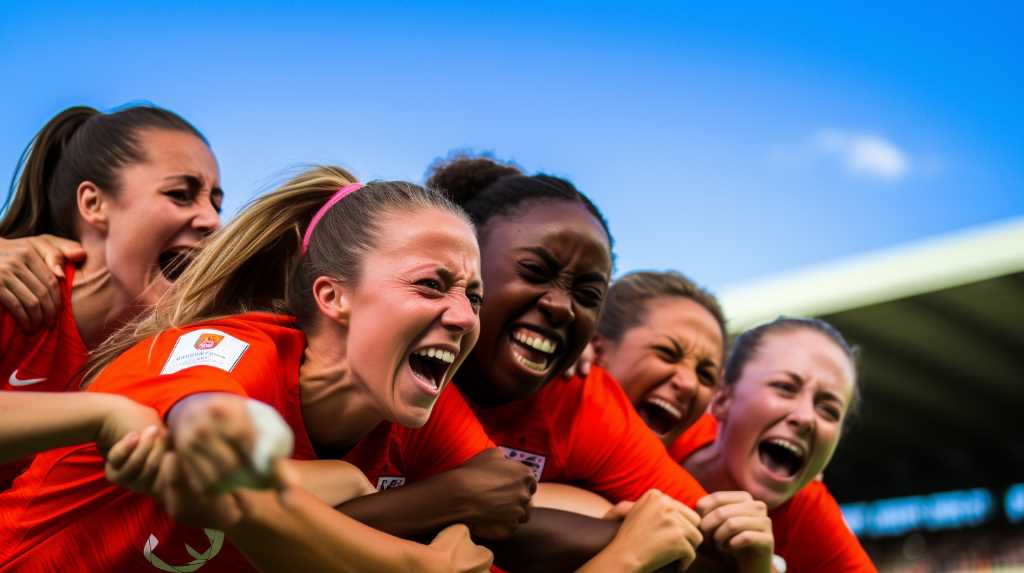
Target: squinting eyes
[[185, 197], [430, 284], [475, 299], [831, 413]]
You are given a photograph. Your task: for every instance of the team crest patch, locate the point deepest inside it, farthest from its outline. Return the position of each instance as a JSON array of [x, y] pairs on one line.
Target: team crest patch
[[208, 341], [388, 482], [533, 461], [205, 347]]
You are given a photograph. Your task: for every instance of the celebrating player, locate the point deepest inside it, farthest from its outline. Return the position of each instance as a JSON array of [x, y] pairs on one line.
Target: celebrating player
[[383, 280], [139, 189]]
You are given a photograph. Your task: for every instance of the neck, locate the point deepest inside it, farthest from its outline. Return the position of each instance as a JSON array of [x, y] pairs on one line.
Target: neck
[[707, 466], [478, 391], [99, 306], [671, 437], [337, 410]]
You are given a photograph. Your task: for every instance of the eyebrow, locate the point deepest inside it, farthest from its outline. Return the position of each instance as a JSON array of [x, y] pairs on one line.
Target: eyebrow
[[551, 261], [675, 344], [794, 377], [195, 183], [449, 278], [828, 394]]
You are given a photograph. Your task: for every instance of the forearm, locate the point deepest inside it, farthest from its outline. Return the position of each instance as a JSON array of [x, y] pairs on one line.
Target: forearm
[[612, 558], [420, 508], [553, 540], [332, 482], [318, 537], [571, 498], [32, 422]]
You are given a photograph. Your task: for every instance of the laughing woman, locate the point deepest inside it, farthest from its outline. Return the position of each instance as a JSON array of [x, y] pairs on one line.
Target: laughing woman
[[547, 258], [788, 389], [139, 188], [383, 280], [663, 337]]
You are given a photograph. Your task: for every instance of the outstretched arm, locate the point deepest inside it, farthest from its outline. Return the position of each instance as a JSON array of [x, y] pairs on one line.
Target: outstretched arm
[[321, 539], [216, 436], [488, 493], [491, 495], [33, 422]]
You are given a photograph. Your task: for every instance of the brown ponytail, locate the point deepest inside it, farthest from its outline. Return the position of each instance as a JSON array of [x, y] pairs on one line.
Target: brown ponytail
[[78, 144], [31, 209]]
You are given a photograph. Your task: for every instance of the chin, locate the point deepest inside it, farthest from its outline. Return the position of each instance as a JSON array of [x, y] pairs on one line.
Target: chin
[[772, 497], [522, 389], [414, 417]]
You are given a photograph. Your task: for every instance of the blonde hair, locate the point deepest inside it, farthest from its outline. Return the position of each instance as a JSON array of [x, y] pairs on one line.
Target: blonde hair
[[256, 262]]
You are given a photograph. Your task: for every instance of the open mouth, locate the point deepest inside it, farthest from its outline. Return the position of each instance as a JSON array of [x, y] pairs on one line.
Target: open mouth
[[430, 365], [660, 415], [534, 351], [781, 457], [174, 261]]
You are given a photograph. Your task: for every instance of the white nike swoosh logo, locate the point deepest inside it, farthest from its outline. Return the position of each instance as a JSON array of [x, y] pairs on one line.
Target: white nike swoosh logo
[[15, 381]]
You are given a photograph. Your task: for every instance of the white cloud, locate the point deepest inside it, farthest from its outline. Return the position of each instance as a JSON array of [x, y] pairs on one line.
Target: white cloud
[[864, 153]]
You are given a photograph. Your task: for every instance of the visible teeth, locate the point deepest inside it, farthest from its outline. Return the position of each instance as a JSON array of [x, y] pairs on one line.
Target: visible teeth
[[788, 445], [438, 354], [667, 406], [535, 341], [535, 366]]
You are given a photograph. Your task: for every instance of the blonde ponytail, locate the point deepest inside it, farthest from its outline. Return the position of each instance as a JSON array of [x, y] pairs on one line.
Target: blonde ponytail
[[245, 266]]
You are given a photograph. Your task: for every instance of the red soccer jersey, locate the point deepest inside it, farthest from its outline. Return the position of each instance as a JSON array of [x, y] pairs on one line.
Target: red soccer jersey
[[391, 453], [583, 432], [809, 530], [62, 515], [47, 360]]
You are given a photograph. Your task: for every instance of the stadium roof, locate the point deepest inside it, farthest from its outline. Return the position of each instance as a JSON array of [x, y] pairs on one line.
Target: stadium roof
[[941, 327]]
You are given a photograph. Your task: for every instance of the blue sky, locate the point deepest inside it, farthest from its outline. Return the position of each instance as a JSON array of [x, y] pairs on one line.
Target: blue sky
[[725, 142]]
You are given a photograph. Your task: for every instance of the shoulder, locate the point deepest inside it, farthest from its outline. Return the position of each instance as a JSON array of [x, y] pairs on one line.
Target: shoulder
[[812, 507], [252, 345], [221, 343], [701, 433], [600, 395], [810, 531], [603, 415]]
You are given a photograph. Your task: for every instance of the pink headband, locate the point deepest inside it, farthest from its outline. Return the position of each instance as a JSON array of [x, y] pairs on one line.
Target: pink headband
[[338, 196]]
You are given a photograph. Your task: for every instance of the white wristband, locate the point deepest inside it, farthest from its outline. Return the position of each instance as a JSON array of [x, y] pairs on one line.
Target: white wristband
[[274, 441]]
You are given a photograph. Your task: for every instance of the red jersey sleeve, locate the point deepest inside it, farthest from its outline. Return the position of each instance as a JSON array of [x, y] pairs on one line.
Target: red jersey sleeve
[[811, 535], [178, 363], [610, 444], [701, 433], [450, 437]]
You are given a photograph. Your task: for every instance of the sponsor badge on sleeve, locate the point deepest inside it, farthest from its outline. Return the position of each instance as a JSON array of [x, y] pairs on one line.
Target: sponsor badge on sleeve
[[205, 347]]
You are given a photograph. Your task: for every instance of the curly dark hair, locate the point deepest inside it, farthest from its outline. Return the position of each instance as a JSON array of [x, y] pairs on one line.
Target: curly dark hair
[[486, 187]]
